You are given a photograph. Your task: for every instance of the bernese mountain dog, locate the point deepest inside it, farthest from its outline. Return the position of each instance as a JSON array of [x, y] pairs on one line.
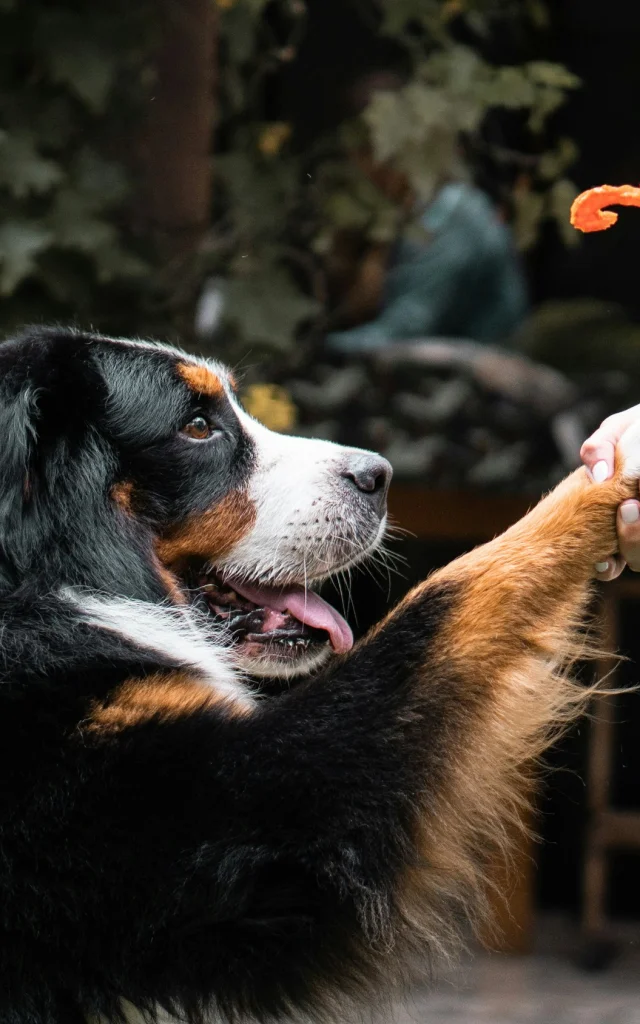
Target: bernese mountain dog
[[174, 840]]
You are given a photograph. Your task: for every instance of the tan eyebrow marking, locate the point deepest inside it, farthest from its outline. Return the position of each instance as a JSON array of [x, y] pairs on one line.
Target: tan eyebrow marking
[[201, 379]]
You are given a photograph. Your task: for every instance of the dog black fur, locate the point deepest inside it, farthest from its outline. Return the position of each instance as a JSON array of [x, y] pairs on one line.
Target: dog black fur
[[204, 857]]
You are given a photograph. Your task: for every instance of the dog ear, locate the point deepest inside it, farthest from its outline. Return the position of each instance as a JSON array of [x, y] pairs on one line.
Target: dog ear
[[18, 416]]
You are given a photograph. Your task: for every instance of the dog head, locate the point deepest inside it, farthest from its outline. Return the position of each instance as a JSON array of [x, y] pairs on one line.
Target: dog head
[[131, 468]]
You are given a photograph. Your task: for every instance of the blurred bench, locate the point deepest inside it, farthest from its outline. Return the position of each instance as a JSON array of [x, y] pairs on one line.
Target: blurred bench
[[609, 829]]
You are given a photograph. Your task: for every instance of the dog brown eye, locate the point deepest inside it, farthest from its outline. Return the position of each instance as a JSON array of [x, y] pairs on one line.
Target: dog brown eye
[[198, 428]]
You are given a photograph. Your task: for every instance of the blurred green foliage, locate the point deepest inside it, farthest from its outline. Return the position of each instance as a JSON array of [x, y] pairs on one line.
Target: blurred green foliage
[[74, 75], [71, 77], [283, 208]]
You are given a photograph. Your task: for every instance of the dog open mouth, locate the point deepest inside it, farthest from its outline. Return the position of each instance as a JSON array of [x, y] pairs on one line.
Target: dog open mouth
[[283, 624]]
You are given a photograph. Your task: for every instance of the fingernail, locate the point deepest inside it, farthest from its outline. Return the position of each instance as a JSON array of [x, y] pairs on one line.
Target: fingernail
[[601, 566], [630, 512], [600, 471]]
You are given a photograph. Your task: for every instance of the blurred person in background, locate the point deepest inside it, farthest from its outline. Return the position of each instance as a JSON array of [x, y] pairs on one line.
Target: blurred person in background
[[457, 276]]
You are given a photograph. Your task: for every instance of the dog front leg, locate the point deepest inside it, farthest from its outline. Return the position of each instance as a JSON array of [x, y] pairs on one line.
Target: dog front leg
[[327, 835], [489, 640]]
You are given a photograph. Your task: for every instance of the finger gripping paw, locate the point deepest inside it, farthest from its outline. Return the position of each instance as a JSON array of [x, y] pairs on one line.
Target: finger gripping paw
[[628, 452]]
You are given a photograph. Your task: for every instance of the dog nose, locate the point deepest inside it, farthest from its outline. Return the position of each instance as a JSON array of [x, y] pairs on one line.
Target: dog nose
[[371, 475]]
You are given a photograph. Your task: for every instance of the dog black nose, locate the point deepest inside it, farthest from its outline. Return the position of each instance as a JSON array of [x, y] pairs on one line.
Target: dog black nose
[[371, 475]]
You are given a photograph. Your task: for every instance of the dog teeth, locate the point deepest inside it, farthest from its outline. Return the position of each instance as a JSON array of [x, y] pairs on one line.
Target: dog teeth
[[291, 643], [228, 594]]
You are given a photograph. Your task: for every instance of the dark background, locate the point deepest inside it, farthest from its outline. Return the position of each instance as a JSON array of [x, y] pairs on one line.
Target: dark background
[[600, 42]]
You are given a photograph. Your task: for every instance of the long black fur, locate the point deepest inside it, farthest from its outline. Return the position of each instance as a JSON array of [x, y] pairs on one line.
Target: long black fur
[[249, 865]]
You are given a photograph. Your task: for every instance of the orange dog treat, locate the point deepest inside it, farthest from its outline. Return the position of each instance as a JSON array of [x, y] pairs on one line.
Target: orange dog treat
[[588, 213]]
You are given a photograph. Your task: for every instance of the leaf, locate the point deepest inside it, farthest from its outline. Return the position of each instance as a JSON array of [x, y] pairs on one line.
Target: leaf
[[452, 9], [399, 13], [384, 227], [461, 68], [529, 208], [74, 226], [538, 13], [233, 88], [388, 123], [561, 196], [239, 30], [96, 187], [406, 116], [55, 123], [345, 212], [396, 16], [259, 195], [544, 72], [85, 68], [113, 262], [464, 78], [555, 162], [511, 88], [548, 100], [21, 241], [428, 163], [23, 170], [103, 184], [273, 137], [65, 278], [265, 308], [478, 23]]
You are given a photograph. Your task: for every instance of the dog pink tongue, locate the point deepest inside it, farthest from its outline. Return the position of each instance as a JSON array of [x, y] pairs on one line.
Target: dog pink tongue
[[305, 606]]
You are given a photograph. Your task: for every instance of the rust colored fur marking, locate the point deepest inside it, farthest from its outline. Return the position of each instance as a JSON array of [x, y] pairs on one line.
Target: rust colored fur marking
[[170, 581], [212, 533], [122, 494], [162, 697], [201, 379]]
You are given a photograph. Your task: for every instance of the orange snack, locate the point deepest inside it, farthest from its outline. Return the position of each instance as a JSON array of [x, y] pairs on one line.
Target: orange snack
[[588, 213]]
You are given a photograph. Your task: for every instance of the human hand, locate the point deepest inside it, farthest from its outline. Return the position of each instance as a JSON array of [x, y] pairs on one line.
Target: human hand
[[598, 453]]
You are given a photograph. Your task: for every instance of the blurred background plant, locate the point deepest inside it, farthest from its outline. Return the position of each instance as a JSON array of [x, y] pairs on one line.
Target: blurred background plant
[[285, 196], [77, 82], [193, 171], [72, 80]]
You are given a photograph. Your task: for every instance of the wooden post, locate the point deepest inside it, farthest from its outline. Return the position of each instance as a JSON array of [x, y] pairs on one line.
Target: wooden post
[[177, 135], [172, 159]]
